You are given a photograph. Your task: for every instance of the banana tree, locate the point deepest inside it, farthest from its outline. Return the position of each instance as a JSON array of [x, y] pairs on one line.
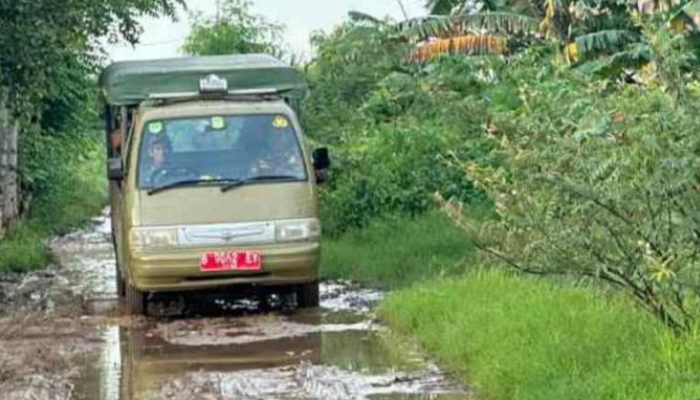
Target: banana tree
[[472, 34], [584, 29]]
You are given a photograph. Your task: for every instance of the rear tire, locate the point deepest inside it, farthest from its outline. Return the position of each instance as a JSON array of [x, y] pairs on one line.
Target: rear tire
[[135, 301], [308, 295]]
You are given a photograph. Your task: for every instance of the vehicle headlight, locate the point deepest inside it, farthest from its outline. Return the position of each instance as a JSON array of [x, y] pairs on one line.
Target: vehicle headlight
[[153, 238], [297, 230]]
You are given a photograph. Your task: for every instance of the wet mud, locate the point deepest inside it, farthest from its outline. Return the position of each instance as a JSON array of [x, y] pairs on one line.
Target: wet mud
[[217, 349]]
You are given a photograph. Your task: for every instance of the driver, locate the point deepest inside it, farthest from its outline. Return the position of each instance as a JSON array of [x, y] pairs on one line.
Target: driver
[[158, 154]]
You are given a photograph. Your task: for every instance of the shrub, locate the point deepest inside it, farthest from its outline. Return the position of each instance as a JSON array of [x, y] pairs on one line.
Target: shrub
[[390, 170], [600, 183], [394, 132]]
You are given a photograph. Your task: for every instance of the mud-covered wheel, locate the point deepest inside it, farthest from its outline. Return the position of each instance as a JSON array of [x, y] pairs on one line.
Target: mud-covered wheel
[[308, 295], [121, 286], [135, 301]]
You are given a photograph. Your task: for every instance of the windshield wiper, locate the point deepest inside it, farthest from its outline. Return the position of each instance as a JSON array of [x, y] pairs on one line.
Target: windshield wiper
[[256, 179], [190, 182]]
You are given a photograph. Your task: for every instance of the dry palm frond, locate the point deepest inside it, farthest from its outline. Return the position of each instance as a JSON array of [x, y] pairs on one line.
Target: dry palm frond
[[546, 27], [471, 45], [650, 7], [459, 25]]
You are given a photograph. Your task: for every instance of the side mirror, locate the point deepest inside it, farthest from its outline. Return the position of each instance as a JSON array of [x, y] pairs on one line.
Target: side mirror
[[322, 159], [322, 163], [115, 169]]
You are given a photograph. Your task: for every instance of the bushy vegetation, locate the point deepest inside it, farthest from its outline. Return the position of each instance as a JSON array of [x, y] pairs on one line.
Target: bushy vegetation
[[600, 181], [44, 56], [62, 171], [583, 137], [394, 133], [526, 339], [49, 61], [71, 194], [576, 156], [77, 196]]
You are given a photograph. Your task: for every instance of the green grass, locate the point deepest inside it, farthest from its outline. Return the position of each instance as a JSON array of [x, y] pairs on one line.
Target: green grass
[[397, 252], [525, 339], [72, 203], [23, 249]]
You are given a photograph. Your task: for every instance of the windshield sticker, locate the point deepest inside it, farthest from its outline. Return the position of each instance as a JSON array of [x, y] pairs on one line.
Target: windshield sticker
[[155, 127], [218, 123], [280, 122]]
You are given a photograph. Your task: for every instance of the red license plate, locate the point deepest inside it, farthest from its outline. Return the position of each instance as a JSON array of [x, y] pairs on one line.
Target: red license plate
[[215, 261]]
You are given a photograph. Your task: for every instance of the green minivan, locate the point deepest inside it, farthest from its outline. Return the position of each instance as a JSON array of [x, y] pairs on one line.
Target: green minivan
[[212, 185]]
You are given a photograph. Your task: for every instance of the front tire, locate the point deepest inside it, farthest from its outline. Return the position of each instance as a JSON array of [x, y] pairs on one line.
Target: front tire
[[308, 295], [135, 301]]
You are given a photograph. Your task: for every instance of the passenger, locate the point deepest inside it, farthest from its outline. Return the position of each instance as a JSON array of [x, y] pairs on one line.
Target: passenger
[[116, 138], [282, 156]]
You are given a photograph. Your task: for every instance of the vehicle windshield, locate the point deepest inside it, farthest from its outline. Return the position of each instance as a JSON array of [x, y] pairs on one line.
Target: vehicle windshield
[[218, 149]]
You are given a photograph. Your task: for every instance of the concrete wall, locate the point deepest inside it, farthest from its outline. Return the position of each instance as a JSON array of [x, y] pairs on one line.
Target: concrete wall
[[9, 188]]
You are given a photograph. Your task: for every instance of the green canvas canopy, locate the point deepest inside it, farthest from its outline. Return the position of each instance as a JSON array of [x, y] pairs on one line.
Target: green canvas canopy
[[130, 83]]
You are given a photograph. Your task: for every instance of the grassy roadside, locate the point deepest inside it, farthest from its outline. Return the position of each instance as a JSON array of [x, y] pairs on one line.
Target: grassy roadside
[[78, 198], [525, 339], [397, 252], [513, 338]]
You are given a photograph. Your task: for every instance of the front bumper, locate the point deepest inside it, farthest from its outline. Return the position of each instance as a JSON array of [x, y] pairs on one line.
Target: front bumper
[[178, 270]]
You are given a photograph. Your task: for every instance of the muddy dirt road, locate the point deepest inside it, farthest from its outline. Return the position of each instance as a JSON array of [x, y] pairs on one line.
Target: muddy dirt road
[[86, 348]]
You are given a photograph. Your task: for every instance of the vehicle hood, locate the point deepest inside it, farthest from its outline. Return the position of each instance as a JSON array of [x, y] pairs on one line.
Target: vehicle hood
[[208, 205]]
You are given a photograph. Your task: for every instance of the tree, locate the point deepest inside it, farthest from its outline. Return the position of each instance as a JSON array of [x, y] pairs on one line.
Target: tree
[[50, 54], [350, 62], [234, 30], [42, 42], [583, 30]]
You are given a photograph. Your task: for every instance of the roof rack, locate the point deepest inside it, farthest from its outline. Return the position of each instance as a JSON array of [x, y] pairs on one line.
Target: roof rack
[[232, 95], [256, 76]]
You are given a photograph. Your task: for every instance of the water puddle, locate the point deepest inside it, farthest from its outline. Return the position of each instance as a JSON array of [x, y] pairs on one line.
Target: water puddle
[[310, 362], [240, 352]]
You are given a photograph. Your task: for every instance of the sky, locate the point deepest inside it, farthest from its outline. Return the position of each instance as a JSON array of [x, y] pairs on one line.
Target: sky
[[163, 38]]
